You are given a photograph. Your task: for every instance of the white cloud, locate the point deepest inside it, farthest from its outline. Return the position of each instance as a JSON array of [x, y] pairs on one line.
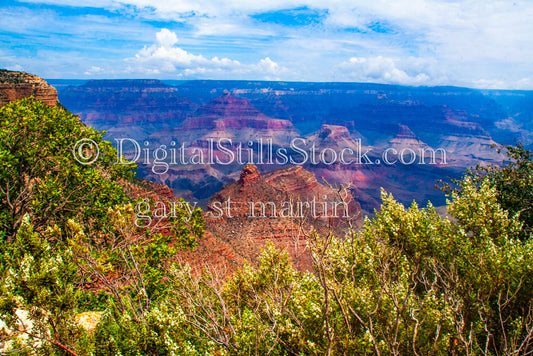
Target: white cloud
[[239, 26], [160, 54], [164, 57], [94, 70], [268, 65], [521, 84], [166, 38], [472, 43], [379, 70]]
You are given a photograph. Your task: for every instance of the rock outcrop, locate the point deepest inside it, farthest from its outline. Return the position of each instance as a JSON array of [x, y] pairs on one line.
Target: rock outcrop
[[18, 85], [281, 206], [249, 174], [335, 137], [338, 139], [145, 189], [274, 190]]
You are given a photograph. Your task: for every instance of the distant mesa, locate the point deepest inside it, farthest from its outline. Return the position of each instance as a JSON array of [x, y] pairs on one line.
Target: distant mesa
[[229, 117], [333, 132], [406, 139], [228, 106], [134, 85], [405, 133], [133, 108], [18, 85]]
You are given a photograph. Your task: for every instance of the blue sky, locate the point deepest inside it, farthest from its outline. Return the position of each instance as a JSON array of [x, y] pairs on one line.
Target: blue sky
[[475, 43]]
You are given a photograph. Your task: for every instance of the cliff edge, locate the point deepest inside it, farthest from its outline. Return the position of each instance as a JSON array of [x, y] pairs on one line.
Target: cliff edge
[[18, 85]]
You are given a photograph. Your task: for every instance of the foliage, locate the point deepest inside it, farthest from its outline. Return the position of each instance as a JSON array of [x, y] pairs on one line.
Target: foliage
[[514, 183], [513, 180], [413, 283], [40, 282], [272, 309], [53, 282], [71, 243], [132, 262], [410, 282], [39, 174]]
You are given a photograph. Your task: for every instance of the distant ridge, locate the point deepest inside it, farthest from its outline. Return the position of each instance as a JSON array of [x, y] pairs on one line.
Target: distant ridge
[[145, 83]]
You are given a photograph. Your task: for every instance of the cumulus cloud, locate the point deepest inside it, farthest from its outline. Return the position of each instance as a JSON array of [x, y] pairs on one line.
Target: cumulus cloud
[[380, 70], [268, 65], [166, 57], [166, 38], [94, 70], [161, 54], [521, 84]]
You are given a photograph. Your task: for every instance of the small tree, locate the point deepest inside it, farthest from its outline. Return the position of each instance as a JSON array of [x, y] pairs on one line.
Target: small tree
[[514, 183], [40, 175], [513, 180], [70, 241]]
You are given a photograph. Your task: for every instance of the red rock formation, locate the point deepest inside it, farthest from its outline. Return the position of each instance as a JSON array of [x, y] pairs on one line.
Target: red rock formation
[[18, 85], [244, 215], [249, 174], [145, 189]]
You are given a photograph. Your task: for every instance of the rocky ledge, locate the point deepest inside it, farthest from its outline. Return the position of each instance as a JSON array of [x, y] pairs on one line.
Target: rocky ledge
[[18, 85]]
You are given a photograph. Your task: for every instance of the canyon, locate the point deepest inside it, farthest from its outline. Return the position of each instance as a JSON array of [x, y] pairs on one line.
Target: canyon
[[367, 119], [372, 120], [307, 149]]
